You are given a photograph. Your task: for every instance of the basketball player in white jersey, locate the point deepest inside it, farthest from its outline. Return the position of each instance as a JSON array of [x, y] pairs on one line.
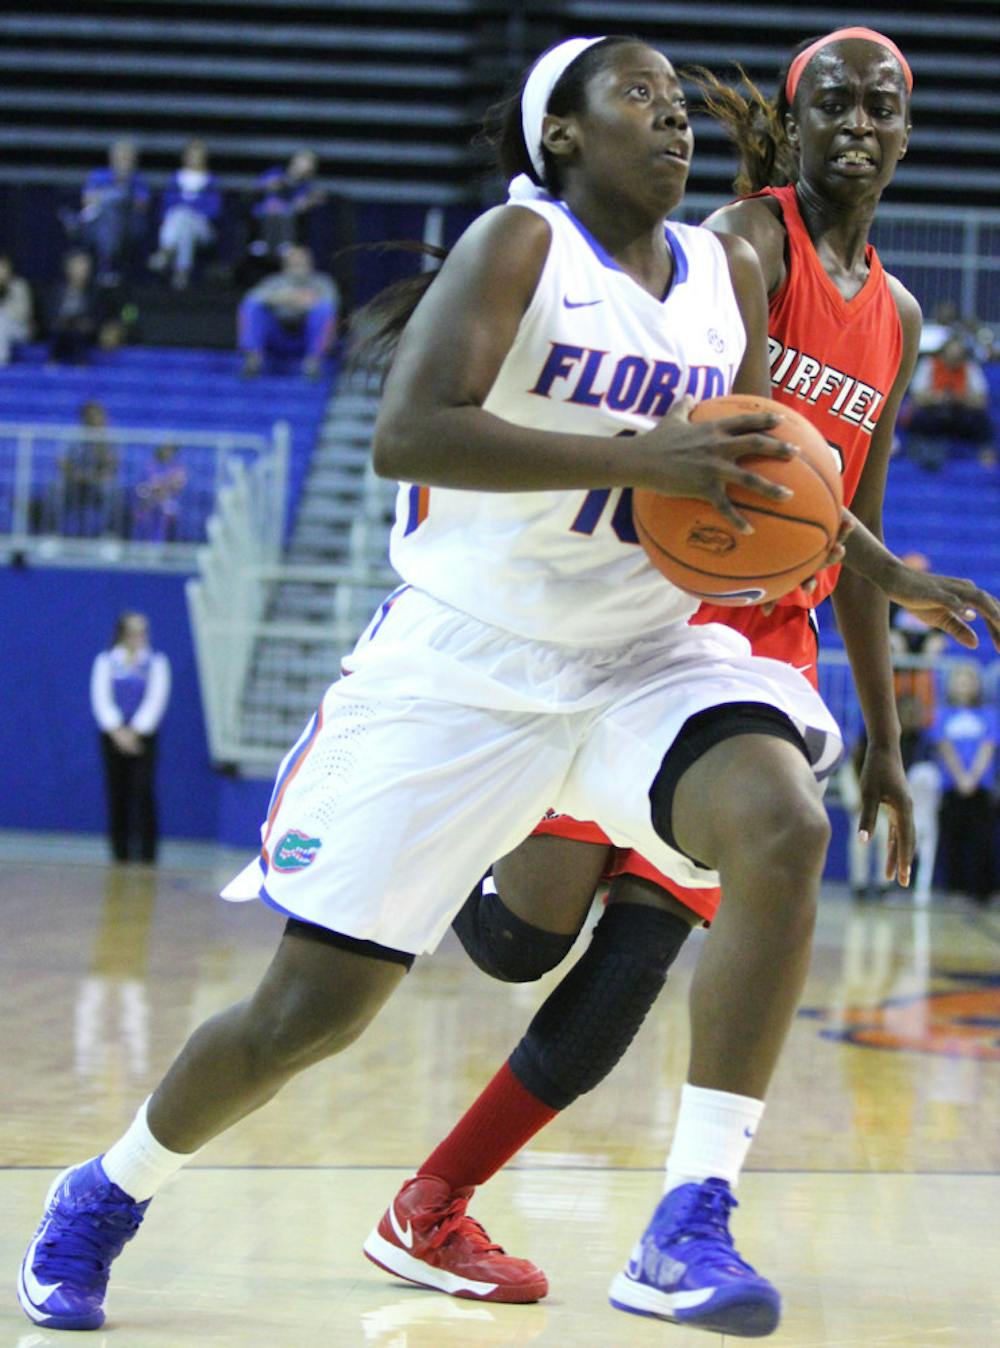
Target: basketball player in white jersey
[[546, 371]]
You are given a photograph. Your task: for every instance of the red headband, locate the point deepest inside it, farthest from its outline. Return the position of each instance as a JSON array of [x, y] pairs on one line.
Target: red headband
[[842, 35]]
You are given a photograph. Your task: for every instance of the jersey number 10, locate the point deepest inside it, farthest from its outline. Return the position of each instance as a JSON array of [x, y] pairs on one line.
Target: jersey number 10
[[589, 515]]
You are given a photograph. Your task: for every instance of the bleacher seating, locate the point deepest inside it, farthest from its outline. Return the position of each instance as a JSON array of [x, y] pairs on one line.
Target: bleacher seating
[[169, 390], [389, 93], [951, 516]]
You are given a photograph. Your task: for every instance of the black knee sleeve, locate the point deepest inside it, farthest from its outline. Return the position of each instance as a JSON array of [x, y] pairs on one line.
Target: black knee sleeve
[[502, 944], [588, 1022]]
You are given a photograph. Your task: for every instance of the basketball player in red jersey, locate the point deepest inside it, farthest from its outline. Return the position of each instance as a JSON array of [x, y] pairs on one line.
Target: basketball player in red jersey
[[843, 342]]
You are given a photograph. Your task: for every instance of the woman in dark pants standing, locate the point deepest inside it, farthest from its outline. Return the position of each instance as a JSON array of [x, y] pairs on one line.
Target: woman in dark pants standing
[[129, 691], [965, 739]]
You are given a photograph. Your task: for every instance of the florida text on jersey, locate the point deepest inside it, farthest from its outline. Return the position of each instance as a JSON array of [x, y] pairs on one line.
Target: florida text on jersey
[[594, 354]]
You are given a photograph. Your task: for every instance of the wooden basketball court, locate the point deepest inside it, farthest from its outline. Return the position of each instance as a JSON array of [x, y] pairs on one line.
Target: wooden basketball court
[[872, 1198]]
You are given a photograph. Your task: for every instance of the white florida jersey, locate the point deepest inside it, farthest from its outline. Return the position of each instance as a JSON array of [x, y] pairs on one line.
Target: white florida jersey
[[595, 354]]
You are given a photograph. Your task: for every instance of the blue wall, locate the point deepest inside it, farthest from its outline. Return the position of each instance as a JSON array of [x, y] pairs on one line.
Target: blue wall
[[53, 623]]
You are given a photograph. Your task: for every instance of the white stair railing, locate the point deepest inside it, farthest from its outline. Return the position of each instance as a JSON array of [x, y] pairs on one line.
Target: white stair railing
[[226, 601]]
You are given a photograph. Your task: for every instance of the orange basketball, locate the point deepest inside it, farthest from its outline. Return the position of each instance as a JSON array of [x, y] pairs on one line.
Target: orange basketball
[[701, 552]]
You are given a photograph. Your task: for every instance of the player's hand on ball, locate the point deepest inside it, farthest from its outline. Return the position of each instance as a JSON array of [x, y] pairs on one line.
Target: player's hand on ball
[[833, 558], [700, 459]]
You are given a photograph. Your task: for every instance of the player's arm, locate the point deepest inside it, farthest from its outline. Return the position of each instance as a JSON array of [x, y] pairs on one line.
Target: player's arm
[[432, 427], [753, 376], [862, 610], [759, 222]]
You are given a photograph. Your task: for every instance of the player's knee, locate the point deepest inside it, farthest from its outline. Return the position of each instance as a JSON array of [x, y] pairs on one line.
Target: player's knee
[[502, 944], [786, 834], [296, 1029]]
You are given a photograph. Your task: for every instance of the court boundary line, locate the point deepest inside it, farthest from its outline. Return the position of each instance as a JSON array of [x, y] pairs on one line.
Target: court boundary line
[[539, 1169]]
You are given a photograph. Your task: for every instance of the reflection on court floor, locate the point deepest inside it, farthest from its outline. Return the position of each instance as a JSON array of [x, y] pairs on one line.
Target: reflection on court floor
[[871, 1196]]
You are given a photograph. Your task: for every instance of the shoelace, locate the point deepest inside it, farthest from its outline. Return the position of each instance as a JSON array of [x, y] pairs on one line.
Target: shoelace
[[85, 1242], [706, 1219], [454, 1220]]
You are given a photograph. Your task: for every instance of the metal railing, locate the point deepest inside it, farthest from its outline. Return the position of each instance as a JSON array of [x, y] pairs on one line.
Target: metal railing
[[231, 626], [227, 604], [836, 683], [226, 601], [941, 253], [116, 495]]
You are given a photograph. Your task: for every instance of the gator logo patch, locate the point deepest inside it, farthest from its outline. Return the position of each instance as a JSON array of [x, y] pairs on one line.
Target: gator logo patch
[[962, 1021], [295, 851]]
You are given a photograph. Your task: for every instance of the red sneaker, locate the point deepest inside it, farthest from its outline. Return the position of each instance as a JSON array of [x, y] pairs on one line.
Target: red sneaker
[[426, 1237]]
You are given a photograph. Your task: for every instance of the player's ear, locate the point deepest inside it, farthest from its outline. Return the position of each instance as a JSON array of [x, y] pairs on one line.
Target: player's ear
[[792, 130], [559, 135]]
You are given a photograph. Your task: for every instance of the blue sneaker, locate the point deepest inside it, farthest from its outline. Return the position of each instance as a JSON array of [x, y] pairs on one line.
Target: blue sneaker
[[686, 1270], [86, 1222]]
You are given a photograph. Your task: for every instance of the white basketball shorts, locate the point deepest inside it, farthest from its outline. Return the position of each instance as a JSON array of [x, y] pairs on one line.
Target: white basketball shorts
[[448, 739]]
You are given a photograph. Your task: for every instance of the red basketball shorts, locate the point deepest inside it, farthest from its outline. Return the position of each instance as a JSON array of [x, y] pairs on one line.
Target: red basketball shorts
[[787, 634]]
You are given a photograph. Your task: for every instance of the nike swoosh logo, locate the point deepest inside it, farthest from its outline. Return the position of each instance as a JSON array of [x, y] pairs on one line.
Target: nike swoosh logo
[[37, 1291], [746, 1131], [579, 304], [801, 669], [405, 1232]]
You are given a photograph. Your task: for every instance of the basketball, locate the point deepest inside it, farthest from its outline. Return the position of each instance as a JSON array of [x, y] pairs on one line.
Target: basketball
[[700, 551]]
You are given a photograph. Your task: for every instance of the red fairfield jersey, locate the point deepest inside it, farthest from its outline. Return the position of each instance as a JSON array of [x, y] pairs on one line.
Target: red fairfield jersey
[[833, 360]]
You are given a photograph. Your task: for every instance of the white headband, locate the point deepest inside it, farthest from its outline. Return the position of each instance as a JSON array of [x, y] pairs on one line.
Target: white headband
[[545, 74]]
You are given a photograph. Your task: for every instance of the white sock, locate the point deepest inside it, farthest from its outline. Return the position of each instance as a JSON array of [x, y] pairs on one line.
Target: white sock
[[138, 1163], [713, 1135]]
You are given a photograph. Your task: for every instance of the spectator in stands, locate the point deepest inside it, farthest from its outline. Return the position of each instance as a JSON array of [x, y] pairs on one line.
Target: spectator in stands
[[76, 311], [288, 197], [965, 736], [16, 311], [945, 322], [292, 311], [89, 494], [191, 206], [129, 692], [923, 777], [158, 496], [115, 211], [949, 403]]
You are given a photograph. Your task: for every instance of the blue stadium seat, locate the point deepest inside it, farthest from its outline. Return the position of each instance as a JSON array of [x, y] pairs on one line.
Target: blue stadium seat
[[163, 389]]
